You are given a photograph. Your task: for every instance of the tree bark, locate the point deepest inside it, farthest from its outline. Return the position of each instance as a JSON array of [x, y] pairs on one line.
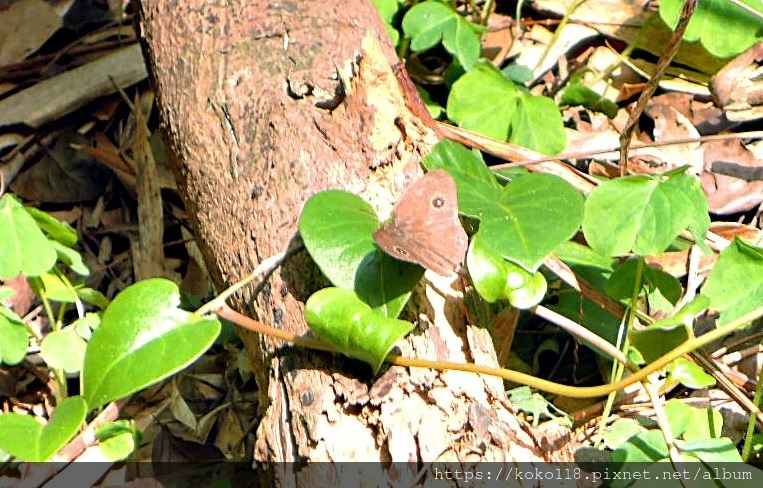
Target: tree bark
[[263, 105]]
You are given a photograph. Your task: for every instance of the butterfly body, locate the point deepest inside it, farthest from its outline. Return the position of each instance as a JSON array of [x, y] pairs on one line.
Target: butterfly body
[[424, 228]]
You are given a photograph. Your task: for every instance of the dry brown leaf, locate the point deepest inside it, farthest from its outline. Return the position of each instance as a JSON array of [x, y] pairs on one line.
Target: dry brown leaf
[[498, 42], [229, 435], [670, 124], [24, 26], [730, 230], [676, 263], [22, 299], [168, 449], [732, 177], [63, 175], [738, 87], [534, 56], [630, 21], [618, 82]]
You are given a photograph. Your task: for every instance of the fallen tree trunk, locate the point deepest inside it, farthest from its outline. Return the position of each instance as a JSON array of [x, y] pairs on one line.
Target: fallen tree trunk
[[265, 104]]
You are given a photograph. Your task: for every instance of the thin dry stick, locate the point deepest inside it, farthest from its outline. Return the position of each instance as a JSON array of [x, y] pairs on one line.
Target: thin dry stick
[[258, 276], [651, 87], [581, 332], [747, 8], [755, 134]]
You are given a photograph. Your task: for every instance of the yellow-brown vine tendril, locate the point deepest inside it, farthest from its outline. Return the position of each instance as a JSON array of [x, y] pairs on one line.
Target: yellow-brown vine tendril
[[548, 386]]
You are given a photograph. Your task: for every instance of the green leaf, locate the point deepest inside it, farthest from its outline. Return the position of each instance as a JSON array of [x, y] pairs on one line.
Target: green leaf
[[427, 23], [679, 416], [537, 124], [526, 220], [325, 221], [6, 292], [29, 440], [495, 278], [118, 440], [462, 163], [387, 8], [13, 337], [24, 249], [337, 229], [71, 258], [424, 24], [643, 214], [645, 447], [620, 431], [578, 94], [735, 285], [724, 29], [340, 318], [60, 232], [434, 109], [528, 295], [704, 424], [143, 338], [387, 11], [585, 312], [532, 403], [573, 253], [54, 286], [461, 39], [85, 326], [720, 450], [690, 374], [663, 289], [659, 338], [63, 349], [93, 297], [487, 272], [484, 101], [622, 282]]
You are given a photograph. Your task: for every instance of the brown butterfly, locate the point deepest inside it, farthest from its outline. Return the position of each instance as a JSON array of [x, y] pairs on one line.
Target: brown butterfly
[[424, 228]]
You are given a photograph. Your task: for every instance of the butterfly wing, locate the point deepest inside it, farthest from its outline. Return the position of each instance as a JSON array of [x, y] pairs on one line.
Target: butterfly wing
[[425, 228]]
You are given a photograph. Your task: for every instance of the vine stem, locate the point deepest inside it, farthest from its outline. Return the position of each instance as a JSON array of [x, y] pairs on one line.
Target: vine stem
[[224, 311], [673, 45]]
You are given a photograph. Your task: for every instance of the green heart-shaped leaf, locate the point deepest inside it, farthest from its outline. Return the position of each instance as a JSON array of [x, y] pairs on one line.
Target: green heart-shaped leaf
[[143, 338], [495, 278], [690, 374], [64, 349], [659, 338], [340, 318], [24, 249], [723, 28], [644, 214], [337, 229], [735, 285], [28, 439], [485, 101], [14, 338], [429, 22], [527, 219]]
